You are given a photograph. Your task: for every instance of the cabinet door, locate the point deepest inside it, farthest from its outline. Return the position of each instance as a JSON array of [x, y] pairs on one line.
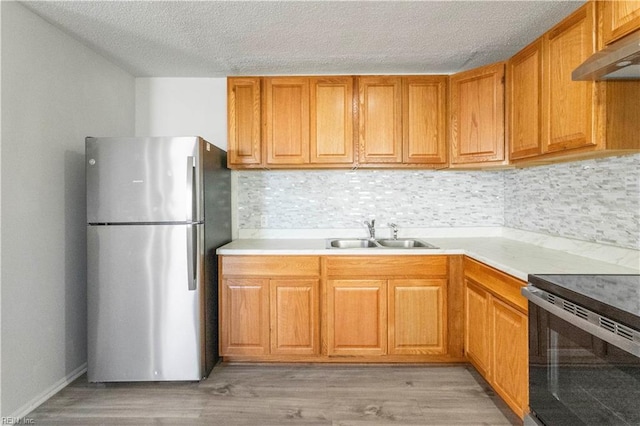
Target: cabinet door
[[287, 120], [417, 316], [568, 106], [243, 114], [524, 92], [357, 317], [619, 18], [331, 121], [477, 337], [477, 115], [380, 120], [510, 355], [294, 316], [244, 317], [424, 120]]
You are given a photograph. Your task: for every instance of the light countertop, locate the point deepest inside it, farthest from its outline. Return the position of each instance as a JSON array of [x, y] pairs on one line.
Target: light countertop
[[510, 256]]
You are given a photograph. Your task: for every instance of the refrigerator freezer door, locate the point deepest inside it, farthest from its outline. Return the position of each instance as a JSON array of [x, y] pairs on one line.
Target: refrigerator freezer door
[[143, 180], [144, 315]]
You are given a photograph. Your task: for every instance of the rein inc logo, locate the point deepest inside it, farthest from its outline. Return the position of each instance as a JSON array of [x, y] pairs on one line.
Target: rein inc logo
[[16, 421]]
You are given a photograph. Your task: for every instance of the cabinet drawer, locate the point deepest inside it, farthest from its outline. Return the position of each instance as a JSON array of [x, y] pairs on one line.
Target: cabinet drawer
[[271, 266], [502, 285], [405, 266]]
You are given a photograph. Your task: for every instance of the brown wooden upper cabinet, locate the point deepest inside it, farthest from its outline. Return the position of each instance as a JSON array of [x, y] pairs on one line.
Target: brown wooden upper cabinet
[[309, 120], [402, 120], [568, 108], [524, 96], [287, 120], [619, 18], [552, 118], [244, 124], [424, 120], [332, 120], [305, 122], [477, 117], [380, 119]]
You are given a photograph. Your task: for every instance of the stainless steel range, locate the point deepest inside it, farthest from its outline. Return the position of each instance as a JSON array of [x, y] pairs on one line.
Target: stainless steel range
[[584, 349]]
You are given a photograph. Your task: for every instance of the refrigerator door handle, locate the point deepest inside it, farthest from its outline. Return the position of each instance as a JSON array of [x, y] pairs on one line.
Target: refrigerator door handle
[[191, 188], [192, 260]]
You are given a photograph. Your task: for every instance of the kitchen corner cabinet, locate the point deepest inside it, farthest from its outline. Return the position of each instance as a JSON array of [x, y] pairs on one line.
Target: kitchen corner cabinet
[[619, 18], [477, 136], [269, 305], [244, 121], [496, 332], [402, 120]]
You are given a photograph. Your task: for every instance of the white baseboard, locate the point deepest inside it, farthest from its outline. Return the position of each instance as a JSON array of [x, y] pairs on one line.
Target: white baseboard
[[54, 389]]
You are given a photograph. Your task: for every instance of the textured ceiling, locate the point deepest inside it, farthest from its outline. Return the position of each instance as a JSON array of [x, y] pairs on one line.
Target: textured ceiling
[[220, 38]]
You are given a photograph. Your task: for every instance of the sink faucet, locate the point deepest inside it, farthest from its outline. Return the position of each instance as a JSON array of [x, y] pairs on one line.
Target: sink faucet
[[394, 228], [372, 228]]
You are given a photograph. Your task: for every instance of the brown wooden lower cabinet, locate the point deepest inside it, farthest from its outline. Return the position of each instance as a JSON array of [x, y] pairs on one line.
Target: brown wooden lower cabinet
[[244, 316], [510, 375], [357, 317], [476, 336], [417, 316], [496, 332], [293, 306], [341, 308], [269, 306]]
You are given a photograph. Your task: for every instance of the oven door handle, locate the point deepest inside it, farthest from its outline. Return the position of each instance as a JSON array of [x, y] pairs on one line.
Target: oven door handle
[[630, 346]]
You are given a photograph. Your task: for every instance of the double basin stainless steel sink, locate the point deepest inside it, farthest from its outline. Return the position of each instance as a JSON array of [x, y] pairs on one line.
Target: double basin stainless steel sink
[[400, 243]]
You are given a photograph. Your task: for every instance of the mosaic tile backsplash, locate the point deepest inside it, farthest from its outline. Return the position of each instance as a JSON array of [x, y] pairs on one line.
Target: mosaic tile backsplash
[[593, 200], [343, 199]]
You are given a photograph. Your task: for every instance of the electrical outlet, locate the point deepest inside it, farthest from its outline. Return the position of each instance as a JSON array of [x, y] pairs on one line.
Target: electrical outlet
[[264, 222]]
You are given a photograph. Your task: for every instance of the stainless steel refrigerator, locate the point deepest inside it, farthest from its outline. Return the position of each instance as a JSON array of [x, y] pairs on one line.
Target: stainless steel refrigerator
[[157, 209]]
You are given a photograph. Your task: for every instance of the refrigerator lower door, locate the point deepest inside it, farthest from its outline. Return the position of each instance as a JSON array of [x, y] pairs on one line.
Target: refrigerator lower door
[[144, 303]]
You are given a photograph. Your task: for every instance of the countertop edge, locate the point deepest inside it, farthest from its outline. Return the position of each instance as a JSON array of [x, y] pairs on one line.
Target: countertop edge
[[518, 259]]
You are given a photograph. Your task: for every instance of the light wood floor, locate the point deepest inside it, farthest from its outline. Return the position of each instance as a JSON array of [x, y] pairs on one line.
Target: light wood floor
[[239, 394]]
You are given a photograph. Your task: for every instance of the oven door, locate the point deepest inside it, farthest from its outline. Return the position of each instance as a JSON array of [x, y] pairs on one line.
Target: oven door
[[579, 373]]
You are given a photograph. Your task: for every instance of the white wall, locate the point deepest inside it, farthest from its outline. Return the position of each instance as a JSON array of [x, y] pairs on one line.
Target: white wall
[[0, 211], [182, 107], [55, 92]]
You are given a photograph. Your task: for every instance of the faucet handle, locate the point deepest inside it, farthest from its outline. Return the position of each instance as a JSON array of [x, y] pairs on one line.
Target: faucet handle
[[394, 227], [372, 228]]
